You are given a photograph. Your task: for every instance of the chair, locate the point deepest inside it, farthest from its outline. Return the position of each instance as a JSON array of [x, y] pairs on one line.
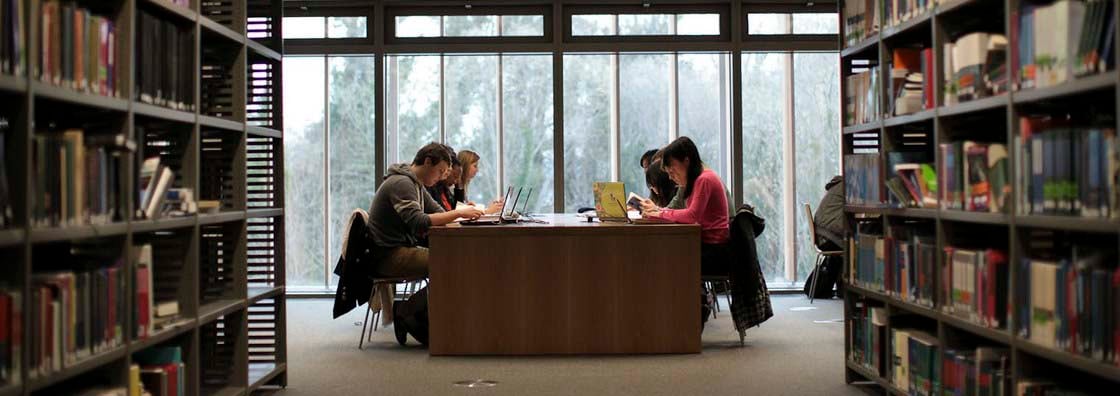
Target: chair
[[412, 285], [822, 255], [710, 281]]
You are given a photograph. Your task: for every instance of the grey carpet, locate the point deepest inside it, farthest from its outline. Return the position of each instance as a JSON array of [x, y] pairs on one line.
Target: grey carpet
[[787, 355]]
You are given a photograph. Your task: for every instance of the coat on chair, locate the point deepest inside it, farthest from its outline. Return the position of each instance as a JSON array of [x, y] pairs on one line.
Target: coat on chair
[[355, 265], [750, 299]]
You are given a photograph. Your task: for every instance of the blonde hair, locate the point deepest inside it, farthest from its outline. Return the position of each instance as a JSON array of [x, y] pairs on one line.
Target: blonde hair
[[466, 159]]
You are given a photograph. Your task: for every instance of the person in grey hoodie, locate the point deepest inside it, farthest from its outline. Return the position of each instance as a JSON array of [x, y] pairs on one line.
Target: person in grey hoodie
[[402, 212]]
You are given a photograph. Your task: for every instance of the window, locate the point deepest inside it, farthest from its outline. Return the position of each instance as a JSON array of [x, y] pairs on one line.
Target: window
[[324, 27], [645, 112], [704, 108], [471, 117], [327, 115], [527, 127], [799, 23], [413, 101], [588, 122], [774, 84], [303, 170], [418, 26], [645, 24]]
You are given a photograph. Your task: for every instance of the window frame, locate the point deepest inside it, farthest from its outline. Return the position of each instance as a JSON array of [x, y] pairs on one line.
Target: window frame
[[723, 10], [391, 14]]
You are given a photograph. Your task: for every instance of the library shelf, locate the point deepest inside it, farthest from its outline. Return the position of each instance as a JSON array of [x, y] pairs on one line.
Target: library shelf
[[896, 302], [215, 27], [1081, 363], [11, 83], [263, 132], [56, 234], [974, 217], [183, 13], [859, 48], [1068, 223], [226, 391], [262, 50], [913, 118], [12, 236], [952, 5], [865, 209], [11, 390], [974, 106], [70, 96], [1077, 86], [998, 335], [871, 376], [256, 294], [921, 213], [170, 331], [215, 309], [76, 369], [911, 25], [862, 128], [222, 217], [163, 113], [162, 224], [264, 212], [261, 373], [221, 123]]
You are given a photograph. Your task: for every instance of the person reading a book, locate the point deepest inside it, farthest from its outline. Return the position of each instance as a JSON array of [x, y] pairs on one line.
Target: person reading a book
[[647, 158], [399, 217], [468, 161], [444, 190], [705, 204], [662, 189]]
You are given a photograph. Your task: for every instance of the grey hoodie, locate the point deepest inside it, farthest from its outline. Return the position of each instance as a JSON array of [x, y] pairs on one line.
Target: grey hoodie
[[398, 215]]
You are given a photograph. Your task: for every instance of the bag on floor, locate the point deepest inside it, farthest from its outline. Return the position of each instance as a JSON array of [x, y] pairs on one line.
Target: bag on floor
[[826, 279]]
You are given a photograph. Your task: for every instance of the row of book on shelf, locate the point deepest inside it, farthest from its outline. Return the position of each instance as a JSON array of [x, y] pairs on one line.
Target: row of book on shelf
[[13, 53], [1062, 40], [6, 215], [164, 63], [79, 313], [976, 177], [971, 284], [1068, 168], [76, 48], [861, 98], [157, 371]]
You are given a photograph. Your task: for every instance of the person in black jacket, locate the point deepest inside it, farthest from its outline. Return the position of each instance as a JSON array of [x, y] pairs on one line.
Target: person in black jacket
[[443, 192], [829, 222]]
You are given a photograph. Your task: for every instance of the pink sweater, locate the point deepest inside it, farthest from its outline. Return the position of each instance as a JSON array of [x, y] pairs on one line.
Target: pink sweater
[[707, 206]]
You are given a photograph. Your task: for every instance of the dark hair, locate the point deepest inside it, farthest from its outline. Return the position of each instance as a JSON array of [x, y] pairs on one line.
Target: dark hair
[[647, 158], [454, 157], [679, 150], [434, 153], [657, 178]]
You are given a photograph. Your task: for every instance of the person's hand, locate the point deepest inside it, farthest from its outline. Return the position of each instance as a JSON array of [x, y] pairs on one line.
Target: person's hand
[[648, 205], [495, 206], [655, 213], [469, 213]]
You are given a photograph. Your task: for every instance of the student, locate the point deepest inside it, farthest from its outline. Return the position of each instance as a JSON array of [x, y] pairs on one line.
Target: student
[[399, 217], [468, 163], [662, 190], [706, 206], [444, 190], [647, 158], [678, 201]]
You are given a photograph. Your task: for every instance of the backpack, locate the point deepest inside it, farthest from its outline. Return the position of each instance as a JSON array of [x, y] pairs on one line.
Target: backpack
[[827, 276]]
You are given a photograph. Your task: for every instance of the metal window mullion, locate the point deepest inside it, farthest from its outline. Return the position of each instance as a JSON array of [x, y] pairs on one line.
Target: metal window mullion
[[326, 173], [616, 118], [674, 99], [501, 122], [442, 95], [789, 205]]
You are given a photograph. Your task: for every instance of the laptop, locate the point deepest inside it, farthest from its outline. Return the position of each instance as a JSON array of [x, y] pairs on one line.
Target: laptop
[[525, 207], [608, 201], [490, 219]]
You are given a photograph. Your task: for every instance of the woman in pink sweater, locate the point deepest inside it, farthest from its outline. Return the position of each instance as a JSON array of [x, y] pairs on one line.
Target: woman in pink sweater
[[706, 203]]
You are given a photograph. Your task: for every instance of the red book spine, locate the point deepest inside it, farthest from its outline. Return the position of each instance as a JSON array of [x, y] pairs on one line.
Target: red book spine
[[927, 78], [172, 370], [143, 313]]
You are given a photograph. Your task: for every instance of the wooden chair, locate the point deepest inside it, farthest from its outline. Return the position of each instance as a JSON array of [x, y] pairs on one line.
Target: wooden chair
[[822, 255], [412, 285]]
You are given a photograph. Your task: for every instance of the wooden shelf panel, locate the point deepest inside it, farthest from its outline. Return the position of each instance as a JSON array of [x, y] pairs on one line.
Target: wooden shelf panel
[[974, 106], [1069, 88], [227, 391], [975, 217], [171, 331], [77, 369], [914, 118], [70, 96], [221, 30], [873, 126], [163, 224], [265, 132], [998, 335], [1068, 223], [270, 212], [921, 213], [163, 113], [948, 6], [257, 294], [216, 309], [183, 13], [56, 234], [871, 376], [223, 217], [869, 44], [261, 373], [262, 50], [12, 237], [911, 25], [14, 84], [1095, 367], [221, 123]]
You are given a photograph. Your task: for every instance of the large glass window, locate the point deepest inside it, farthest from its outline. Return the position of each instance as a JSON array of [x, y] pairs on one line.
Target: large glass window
[[816, 97], [414, 26], [527, 127], [351, 132], [646, 107], [703, 108], [588, 121], [645, 24], [765, 123], [304, 98], [799, 23], [325, 27], [471, 117], [413, 104]]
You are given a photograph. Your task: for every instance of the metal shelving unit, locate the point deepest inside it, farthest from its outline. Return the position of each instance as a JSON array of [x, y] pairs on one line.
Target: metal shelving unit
[[248, 298], [931, 28]]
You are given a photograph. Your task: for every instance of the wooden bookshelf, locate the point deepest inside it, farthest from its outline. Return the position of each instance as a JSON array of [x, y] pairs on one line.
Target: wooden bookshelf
[[254, 293], [932, 29]]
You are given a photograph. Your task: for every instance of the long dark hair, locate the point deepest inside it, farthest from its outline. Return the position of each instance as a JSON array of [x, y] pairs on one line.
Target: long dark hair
[[680, 149], [656, 178]]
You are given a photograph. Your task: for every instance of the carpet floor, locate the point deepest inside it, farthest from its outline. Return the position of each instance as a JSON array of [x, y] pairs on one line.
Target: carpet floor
[[797, 352]]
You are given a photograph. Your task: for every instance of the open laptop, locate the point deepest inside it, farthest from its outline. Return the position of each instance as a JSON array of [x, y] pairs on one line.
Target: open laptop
[[490, 219], [608, 201]]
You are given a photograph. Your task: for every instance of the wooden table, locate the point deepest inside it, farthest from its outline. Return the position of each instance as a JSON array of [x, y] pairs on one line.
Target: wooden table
[[567, 287]]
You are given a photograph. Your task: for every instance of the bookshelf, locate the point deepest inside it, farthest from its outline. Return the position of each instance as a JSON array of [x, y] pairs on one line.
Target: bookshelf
[[221, 134], [993, 119]]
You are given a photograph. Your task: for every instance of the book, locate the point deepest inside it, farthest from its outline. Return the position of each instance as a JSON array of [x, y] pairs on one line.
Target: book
[[76, 179], [77, 48], [862, 180], [862, 97], [5, 192], [164, 60], [159, 192], [144, 299]]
